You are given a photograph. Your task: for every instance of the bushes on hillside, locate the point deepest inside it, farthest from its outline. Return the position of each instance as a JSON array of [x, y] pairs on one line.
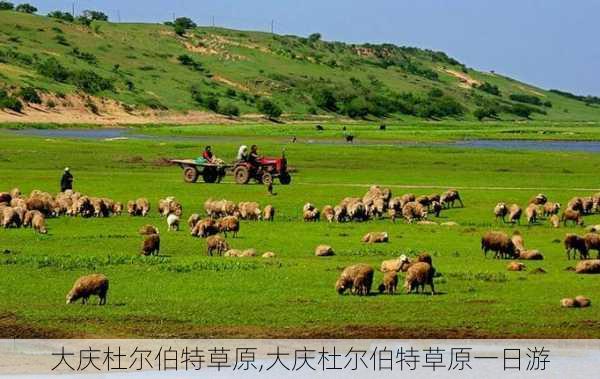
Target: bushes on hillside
[[95, 15], [269, 108], [65, 16], [188, 61], [492, 89], [85, 80], [530, 99], [485, 112], [30, 95], [6, 6], [87, 57], [10, 102], [230, 110], [586, 99], [26, 8]]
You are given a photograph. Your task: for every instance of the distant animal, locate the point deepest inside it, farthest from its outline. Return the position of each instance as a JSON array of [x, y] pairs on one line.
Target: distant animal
[[499, 243], [500, 211], [576, 244], [349, 138], [86, 286], [216, 244], [449, 197], [319, 128], [390, 283], [357, 278], [173, 222], [382, 127], [151, 245]]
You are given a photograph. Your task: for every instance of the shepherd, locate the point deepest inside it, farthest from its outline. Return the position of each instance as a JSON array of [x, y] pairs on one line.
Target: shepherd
[[66, 182]]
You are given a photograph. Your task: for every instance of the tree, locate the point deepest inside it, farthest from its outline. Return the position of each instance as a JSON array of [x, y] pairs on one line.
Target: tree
[[185, 22], [26, 8], [6, 6], [95, 15], [485, 112], [65, 16], [314, 37], [269, 108], [522, 110], [230, 110]]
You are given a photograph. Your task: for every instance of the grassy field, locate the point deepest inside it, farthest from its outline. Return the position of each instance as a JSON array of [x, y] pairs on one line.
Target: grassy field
[[183, 293]]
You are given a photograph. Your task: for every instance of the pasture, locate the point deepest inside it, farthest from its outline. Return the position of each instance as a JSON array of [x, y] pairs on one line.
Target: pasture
[[184, 293]]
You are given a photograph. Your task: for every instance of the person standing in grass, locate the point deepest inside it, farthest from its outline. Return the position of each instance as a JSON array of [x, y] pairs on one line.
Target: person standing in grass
[[66, 182]]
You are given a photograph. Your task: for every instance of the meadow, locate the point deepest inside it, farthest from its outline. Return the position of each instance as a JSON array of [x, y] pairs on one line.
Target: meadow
[[184, 293]]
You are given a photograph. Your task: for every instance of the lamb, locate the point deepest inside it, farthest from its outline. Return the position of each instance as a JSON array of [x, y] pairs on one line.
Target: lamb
[[390, 283], [414, 211], [324, 251], [572, 215], [500, 211], [147, 230], [515, 266], [590, 266], [229, 224], [216, 244], [514, 214], [205, 228], [555, 221], [86, 286], [268, 213], [449, 197], [499, 243], [173, 222], [142, 206], [38, 223], [539, 199], [375, 237], [357, 278], [418, 275], [592, 242], [329, 213], [551, 209], [151, 245], [531, 212], [193, 220], [576, 244]]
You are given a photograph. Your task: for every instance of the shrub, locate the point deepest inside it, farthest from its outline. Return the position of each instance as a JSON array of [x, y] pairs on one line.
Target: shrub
[[87, 57], [527, 99], [51, 104], [325, 98], [230, 110], [26, 8], [184, 22], [521, 110], [95, 15], [90, 82], [30, 95], [51, 68], [314, 37], [485, 112], [492, 89], [439, 107], [153, 103], [83, 20], [179, 30], [188, 61], [230, 92], [65, 16], [10, 102], [61, 40], [6, 6], [357, 107], [269, 108]]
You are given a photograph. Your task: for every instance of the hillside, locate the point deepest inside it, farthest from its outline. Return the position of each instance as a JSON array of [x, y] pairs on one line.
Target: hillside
[[68, 72]]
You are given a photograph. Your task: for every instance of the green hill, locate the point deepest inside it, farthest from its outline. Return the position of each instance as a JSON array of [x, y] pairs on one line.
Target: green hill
[[129, 68]]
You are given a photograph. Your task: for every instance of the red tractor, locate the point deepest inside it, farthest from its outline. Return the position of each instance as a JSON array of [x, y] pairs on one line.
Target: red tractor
[[264, 171]]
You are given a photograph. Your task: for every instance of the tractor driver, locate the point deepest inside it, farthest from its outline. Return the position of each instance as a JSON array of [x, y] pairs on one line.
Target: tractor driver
[[253, 157]]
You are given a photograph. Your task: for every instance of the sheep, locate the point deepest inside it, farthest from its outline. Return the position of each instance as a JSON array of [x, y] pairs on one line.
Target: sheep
[[151, 245], [117, 208], [329, 213], [568, 303], [582, 301], [28, 218], [390, 283], [531, 213], [249, 211], [269, 254], [393, 264], [414, 211], [418, 275], [100, 208], [248, 253], [593, 229], [555, 221], [572, 215], [499, 243], [500, 211], [515, 266], [575, 204], [229, 224], [339, 213], [83, 206], [147, 230], [539, 199], [436, 208], [514, 214], [449, 197], [423, 200], [312, 215], [356, 211], [551, 209], [530, 255], [406, 198], [375, 237], [403, 263], [216, 244], [10, 218], [38, 223], [205, 228], [142, 206], [132, 208], [173, 222], [587, 205], [268, 213], [232, 253], [357, 278], [590, 266], [324, 251], [592, 242], [86, 286], [15, 192], [596, 202], [193, 220], [576, 244], [518, 242], [164, 206], [40, 202], [5, 198]]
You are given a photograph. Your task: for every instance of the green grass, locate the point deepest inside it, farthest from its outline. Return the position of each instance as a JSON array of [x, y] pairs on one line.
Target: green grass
[[184, 293]]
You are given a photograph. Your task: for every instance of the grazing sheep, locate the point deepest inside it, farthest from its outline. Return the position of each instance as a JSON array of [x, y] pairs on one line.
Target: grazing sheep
[[500, 211], [232, 253], [357, 278], [356, 211], [539, 199], [555, 221], [596, 201], [575, 204], [517, 240], [531, 213], [414, 211], [268, 213], [269, 254], [5, 198], [449, 197], [164, 206], [406, 198], [340, 213], [86, 286], [312, 215], [515, 266], [205, 228], [375, 237], [117, 208], [38, 223], [575, 244], [248, 253], [249, 211], [530, 255], [151, 245], [592, 242], [582, 301], [100, 209], [10, 218], [423, 200], [514, 214], [132, 208], [329, 213], [193, 220], [229, 224], [418, 275], [393, 264], [572, 215], [587, 205], [390, 283], [142, 206], [499, 243], [436, 208], [216, 244], [28, 218], [15, 192], [148, 230], [173, 222], [551, 209], [324, 251], [590, 266]]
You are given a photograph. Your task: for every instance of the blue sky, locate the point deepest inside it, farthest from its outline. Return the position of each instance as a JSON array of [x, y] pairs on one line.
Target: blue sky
[[550, 43]]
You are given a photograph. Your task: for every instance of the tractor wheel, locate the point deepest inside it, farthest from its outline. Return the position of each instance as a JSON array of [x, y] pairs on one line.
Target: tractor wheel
[[266, 178], [209, 175], [241, 174], [285, 178], [190, 175]]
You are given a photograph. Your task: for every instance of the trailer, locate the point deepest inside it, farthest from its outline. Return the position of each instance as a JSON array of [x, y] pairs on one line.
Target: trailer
[[210, 172]]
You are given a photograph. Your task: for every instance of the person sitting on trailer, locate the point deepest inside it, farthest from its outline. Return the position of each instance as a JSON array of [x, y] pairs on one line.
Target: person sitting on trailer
[[208, 155]]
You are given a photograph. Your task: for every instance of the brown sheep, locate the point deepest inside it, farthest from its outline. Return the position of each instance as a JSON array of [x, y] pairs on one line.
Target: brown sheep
[[148, 230], [531, 213], [205, 228], [555, 221], [590, 266], [517, 240], [132, 208], [436, 208], [164, 206], [117, 208], [406, 198], [393, 264], [449, 197], [28, 218], [357, 278], [575, 204], [248, 253], [414, 211], [596, 201], [356, 211], [86, 286], [500, 211], [38, 222], [582, 301], [375, 237], [340, 213], [329, 213], [324, 251], [142, 206], [151, 245], [216, 244], [390, 283], [499, 243], [418, 275], [587, 205], [539, 199], [592, 242], [100, 208], [229, 224], [5, 198], [572, 215], [575, 244], [514, 214], [530, 255], [10, 218], [515, 266], [311, 215], [268, 213], [423, 200], [193, 220], [15, 192], [249, 211], [551, 209]]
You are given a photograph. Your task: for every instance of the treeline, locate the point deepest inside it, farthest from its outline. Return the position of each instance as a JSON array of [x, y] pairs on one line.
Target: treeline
[[586, 99]]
